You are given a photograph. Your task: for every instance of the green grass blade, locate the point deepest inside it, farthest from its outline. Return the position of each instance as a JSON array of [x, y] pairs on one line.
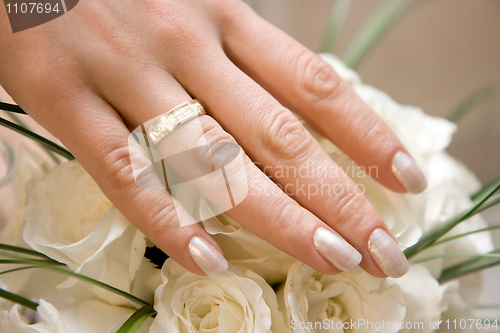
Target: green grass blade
[[137, 319], [52, 265], [470, 266], [47, 143], [98, 283], [21, 123], [477, 98], [23, 250], [17, 269], [36, 262], [336, 21], [11, 108], [18, 299], [465, 234], [373, 30], [454, 255], [479, 195], [433, 234]]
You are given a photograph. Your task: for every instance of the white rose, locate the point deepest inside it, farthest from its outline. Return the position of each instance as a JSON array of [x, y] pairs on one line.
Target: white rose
[[81, 317], [243, 248], [69, 219], [29, 166], [34, 284], [337, 303], [238, 301], [14, 320], [424, 299]]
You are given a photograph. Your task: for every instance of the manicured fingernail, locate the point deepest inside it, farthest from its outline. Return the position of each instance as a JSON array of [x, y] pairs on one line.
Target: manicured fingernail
[[408, 173], [206, 257], [336, 250], [386, 252]]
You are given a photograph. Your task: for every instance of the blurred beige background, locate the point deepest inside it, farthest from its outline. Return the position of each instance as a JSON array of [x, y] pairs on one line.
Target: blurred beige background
[[437, 54]]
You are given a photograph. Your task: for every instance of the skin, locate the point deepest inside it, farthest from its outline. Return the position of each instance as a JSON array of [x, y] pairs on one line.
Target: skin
[[106, 67]]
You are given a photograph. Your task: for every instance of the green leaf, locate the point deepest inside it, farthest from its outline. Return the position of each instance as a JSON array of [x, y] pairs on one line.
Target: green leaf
[[18, 299], [477, 98], [465, 234], [470, 266], [23, 250], [433, 234], [47, 143], [137, 319], [454, 255], [373, 30], [479, 195], [53, 265], [11, 108], [17, 269], [37, 262], [21, 123], [335, 23], [98, 283]]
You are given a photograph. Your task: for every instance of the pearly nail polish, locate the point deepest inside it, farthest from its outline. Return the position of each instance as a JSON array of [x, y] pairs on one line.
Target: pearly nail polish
[[408, 173], [336, 250], [206, 257], [387, 254]]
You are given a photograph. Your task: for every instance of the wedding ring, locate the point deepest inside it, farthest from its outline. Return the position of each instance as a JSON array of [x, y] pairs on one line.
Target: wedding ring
[[172, 119]]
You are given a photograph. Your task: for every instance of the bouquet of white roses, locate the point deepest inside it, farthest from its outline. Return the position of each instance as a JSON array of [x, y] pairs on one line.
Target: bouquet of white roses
[[85, 268]]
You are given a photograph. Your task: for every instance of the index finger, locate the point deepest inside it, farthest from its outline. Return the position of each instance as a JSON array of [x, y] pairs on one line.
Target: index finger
[[309, 86]]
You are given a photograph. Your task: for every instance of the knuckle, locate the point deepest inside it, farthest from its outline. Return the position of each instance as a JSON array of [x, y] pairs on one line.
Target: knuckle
[[376, 135], [348, 204], [286, 214], [212, 131], [117, 168], [160, 217], [316, 79], [286, 137], [222, 148]]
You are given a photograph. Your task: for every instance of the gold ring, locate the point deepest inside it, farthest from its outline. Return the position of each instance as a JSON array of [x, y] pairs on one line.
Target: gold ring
[[172, 119]]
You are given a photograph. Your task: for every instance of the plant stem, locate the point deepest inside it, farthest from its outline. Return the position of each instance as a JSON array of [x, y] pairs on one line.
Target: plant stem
[[17, 269], [18, 249], [447, 255], [477, 98], [336, 21], [137, 319], [470, 266], [52, 265], [11, 108], [18, 299], [47, 143], [21, 123], [372, 31], [432, 235], [464, 235], [98, 283], [479, 195]]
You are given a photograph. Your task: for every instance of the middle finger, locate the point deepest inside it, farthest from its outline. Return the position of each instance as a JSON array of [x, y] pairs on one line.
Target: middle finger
[[287, 152]]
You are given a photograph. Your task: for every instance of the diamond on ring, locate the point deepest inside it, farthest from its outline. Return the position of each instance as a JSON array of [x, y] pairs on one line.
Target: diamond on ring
[[172, 119]]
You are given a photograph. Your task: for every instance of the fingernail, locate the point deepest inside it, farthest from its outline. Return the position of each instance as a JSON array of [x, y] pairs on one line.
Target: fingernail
[[336, 250], [408, 173], [386, 252], [206, 257]]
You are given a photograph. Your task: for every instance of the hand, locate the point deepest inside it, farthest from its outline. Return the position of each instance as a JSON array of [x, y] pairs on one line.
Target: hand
[[106, 67]]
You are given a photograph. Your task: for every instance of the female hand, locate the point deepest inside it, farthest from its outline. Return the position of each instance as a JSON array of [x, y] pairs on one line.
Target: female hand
[[106, 67]]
